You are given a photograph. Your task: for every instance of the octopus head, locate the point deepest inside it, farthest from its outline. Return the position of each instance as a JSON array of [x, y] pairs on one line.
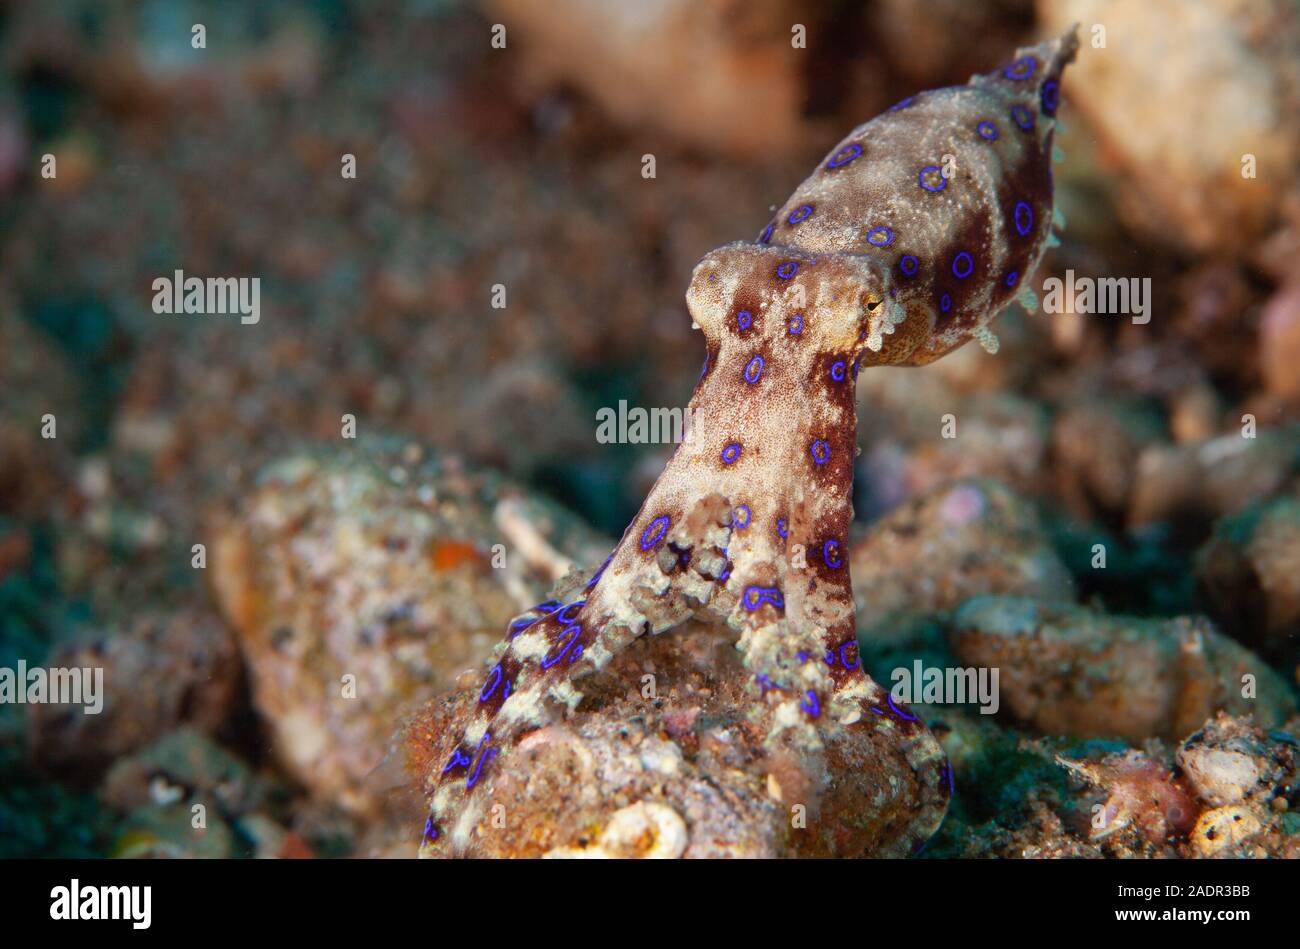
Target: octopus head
[[830, 303]]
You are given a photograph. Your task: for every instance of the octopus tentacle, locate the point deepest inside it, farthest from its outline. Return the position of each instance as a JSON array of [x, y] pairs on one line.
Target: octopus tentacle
[[909, 237]]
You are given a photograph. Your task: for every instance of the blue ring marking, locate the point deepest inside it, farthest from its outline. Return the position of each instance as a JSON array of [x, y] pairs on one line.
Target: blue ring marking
[[754, 597], [958, 271], [800, 214], [599, 573], [898, 711], [1012, 278], [829, 657], [766, 235], [736, 522], [573, 632], [457, 760], [821, 451], [1023, 230], [485, 693], [781, 529], [909, 265], [987, 131], [899, 106], [787, 270], [548, 606], [576, 654], [845, 155], [945, 303], [563, 616], [857, 660], [837, 371], [887, 236], [801, 656], [486, 755], [731, 453], [521, 624], [430, 830], [1049, 97], [796, 324], [943, 182], [744, 320], [1022, 117], [1022, 68], [831, 554], [810, 704], [754, 370], [659, 527]]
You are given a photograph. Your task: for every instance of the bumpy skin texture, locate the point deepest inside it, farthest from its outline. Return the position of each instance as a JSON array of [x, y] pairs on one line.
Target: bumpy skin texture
[[878, 258]]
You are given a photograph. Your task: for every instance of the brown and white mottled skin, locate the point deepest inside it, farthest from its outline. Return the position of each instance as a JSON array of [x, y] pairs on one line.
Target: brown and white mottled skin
[[749, 520]]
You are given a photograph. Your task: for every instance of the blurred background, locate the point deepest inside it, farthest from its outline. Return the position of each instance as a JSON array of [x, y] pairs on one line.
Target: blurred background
[[520, 165]]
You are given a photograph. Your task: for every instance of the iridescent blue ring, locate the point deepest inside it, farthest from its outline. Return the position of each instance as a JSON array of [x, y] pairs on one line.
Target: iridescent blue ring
[[945, 303], [1022, 117], [754, 370], [831, 554], [490, 686], [744, 320], [845, 155], [655, 532], [563, 615], [799, 214], [821, 451], [736, 522], [898, 711], [837, 371], [958, 270], [766, 235], [1024, 211], [1050, 96], [943, 182], [1022, 68], [909, 265], [787, 270], [810, 704], [987, 131], [572, 632], [880, 236], [844, 659], [796, 324], [731, 453]]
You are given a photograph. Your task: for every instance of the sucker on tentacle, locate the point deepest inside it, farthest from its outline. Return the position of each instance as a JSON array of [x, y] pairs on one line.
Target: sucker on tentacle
[[913, 233]]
